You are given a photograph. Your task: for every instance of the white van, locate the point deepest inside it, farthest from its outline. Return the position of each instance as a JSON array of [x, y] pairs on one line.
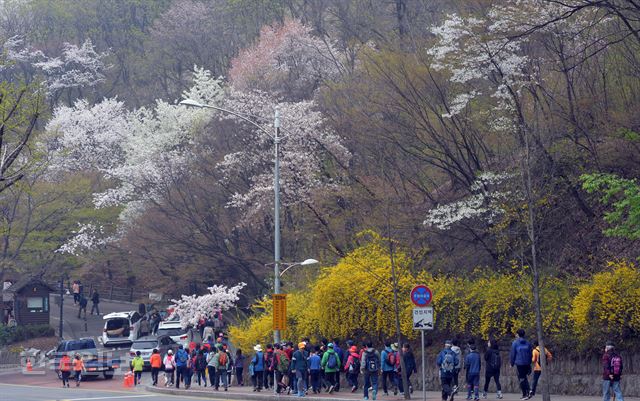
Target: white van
[[174, 330], [121, 328]]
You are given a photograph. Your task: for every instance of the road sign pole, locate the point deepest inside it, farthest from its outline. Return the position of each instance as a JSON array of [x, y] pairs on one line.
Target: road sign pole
[[424, 367]]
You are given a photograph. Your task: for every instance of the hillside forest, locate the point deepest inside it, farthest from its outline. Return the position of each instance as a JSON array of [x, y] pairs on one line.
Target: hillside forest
[[485, 147]]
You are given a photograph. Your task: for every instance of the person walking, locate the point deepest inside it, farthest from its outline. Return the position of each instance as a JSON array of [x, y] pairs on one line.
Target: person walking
[[300, 366], [268, 367], [156, 364], [182, 357], [370, 369], [492, 368], [472, 365], [409, 364], [212, 366], [257, 364], [189, 368], [611, 373], [520, 357], [82, 302], [137, 366], [282, 363], [65, 369], [222, 365], [95, 302], [455, 347], [239, 367], [78, 368], [388, 362], [341, 355], [352, 367], [169, 368], [201, 367], [75, 288], [537, 368], [446, 362], [314, 370], [330, 364]]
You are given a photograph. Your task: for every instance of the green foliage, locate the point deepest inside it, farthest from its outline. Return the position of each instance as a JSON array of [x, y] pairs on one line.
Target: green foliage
[[10, 335], [622, 196]]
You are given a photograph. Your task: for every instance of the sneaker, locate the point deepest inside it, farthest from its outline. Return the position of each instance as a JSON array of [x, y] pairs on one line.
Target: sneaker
[[331, 389], [484, 395], [386, 394], [365, 398], [410, 390], [353, 389], [455, 390], [375, 394], [524, 397], [395, 392], [499, 395]]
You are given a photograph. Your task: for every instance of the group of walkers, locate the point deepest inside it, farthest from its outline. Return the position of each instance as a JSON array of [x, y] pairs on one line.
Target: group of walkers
[[318, 368], [524, 357], [67, 366]]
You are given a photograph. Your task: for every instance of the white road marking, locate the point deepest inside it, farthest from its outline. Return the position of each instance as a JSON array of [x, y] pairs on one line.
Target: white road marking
[[113, 397]]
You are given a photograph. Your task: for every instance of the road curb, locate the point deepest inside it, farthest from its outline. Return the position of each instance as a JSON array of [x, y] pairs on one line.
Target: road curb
[[230, 395]]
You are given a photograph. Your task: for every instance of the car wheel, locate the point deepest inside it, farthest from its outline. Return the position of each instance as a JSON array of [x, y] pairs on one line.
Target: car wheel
[[108, 375]]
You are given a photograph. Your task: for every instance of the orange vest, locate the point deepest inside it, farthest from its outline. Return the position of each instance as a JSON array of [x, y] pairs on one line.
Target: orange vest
[[78, 365], [65, 364], [155, 360]]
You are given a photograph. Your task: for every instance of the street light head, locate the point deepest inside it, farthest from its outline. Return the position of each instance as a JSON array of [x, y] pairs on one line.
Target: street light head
[[192, 103], [309, 262]]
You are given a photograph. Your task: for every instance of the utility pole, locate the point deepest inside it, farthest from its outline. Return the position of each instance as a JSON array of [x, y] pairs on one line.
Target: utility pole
[[61, 302], [276, 214]]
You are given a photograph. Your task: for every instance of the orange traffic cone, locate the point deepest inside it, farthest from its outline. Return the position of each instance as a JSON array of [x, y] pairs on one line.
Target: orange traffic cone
[[128, 380], [29, 367]]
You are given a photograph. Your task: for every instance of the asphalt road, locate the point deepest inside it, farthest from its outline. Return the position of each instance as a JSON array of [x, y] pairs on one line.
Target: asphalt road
[[14, 392]]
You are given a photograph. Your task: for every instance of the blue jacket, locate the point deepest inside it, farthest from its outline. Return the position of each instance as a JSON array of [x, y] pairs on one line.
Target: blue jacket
[[384, 357], [339, 351], [299, 361], [181, 358], [472, 363], [314, 362], [258, 362], [521, 352], [440, 359]]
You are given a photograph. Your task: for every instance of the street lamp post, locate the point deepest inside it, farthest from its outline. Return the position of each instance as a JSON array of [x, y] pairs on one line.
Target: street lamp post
[[276, 189]]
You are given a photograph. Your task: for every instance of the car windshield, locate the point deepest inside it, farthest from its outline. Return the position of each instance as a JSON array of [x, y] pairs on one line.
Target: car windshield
[[144, 344], [171, 331], [80, 344]]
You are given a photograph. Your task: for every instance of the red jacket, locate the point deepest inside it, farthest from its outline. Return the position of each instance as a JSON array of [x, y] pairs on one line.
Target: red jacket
[[606, 365]]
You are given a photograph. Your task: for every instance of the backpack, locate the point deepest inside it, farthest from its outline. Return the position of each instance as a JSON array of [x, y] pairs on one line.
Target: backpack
[[201, 363], [391, 358], [332, 361], [616, 365], [283, 362], [371, 362], [494, 360], [355, 365], [448, 363], [182, 357], [223, 359]]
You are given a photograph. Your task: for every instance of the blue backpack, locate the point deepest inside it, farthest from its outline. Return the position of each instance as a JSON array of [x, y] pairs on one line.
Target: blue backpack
[[332, 361]]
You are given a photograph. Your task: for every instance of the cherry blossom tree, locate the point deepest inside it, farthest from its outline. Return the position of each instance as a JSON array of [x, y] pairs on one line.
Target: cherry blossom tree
[[286, 60], [191, 309]]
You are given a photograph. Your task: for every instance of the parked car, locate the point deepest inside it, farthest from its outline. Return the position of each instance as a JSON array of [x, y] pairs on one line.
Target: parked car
[[95, 362], [121, 328], [147, 344], [176, 332]]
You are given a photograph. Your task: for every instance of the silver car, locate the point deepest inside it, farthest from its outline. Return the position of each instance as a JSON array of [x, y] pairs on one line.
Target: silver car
[[147, 344]]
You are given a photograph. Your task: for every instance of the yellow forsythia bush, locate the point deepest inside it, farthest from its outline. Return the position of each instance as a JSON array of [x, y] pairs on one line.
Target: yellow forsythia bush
[[608, 307]]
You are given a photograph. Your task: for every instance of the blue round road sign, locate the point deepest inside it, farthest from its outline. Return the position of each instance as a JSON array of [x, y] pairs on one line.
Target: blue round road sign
[[421, 295]]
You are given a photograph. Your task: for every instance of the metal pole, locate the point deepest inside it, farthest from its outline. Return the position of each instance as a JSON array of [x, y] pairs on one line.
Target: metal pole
[[61, 301], [276, 223], [276, 215], [424, 366]]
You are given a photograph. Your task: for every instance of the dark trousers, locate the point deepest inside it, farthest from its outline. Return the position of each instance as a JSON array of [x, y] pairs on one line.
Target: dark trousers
[[352, 379], [337, 383], [456, 374], [181, 372], [447, 383], [78, 375], [96, 308], [222, 377], [65, 377], [536, 377], [257, 379], [137, 375], [239, 377], [212, 375], [523, 372], [315, 380], [187, 377], [389, 374], [268, 378], [154, 375], [331, 378], [201, 377], [487, 378], [370, 380]]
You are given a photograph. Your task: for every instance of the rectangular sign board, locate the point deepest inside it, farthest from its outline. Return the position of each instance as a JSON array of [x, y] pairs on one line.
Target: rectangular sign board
[[279, 311], [423, 318]]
